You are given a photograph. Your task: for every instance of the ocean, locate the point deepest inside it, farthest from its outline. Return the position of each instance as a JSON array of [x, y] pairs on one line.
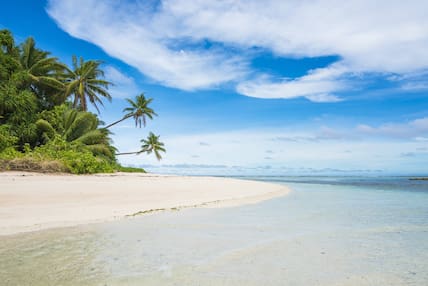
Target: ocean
[[327, 231]]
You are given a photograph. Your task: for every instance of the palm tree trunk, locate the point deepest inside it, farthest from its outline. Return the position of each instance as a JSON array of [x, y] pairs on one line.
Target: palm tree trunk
[[76, 101], [116, 122], [127, 153]]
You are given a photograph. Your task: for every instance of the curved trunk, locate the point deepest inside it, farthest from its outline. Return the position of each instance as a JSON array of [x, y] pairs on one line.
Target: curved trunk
[[128, 153], [116, 122]]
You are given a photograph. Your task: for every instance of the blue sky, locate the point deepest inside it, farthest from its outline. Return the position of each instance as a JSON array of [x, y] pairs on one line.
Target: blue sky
[[254, 87]]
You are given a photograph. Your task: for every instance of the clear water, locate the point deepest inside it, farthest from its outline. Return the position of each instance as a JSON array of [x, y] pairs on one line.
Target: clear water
[[328, 231]]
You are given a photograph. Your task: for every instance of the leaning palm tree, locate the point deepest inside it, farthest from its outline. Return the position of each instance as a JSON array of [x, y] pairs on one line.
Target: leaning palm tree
[[85, 83], [151, 144], [139, 109]]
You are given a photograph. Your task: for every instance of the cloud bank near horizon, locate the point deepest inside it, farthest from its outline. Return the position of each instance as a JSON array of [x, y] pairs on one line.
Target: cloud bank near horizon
[[399, 146], [194, 45]]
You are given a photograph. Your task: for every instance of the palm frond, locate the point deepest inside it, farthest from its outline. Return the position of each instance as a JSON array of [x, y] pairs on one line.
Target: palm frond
[[44, 127]]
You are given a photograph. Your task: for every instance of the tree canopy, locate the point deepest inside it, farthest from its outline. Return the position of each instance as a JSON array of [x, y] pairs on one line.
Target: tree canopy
[[44, 110]]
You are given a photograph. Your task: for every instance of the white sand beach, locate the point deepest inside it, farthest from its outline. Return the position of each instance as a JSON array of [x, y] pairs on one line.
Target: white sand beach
[[32, 201]]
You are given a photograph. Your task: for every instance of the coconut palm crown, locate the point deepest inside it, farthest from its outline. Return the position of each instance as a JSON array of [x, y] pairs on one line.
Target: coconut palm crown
[[84, 82], [38, 68], [139, 109], [152, 144]]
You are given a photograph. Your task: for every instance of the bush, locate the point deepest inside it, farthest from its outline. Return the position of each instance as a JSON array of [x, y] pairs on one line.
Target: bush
[[10, 153], [85, 163], [120, 168], [6, 139], [75, 157], [56, 156]]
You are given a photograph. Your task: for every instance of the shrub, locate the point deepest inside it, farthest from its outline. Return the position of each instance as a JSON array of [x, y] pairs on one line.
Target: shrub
[[75, 157], [10, 153], [120, 168], [56, 156], [6, 139], [85, 163]]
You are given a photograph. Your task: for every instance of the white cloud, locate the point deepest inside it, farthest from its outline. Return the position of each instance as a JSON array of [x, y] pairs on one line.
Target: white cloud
[[317, 86], [317, 149], [412, 81], [324, 133], [297, 147], [371, 35], [413, 129], [123, 85], [130, 36], [381, 37]]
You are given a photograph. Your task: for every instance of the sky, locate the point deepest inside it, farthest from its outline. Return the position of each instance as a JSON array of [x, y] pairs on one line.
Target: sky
[[253, 87]]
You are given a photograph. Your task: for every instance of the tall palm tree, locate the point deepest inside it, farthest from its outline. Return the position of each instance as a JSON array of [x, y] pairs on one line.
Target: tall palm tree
[[139, 109], [151, 144], [85, 83]]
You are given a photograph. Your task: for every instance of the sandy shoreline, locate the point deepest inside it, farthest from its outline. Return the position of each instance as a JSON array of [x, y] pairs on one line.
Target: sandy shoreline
[[31, 201]]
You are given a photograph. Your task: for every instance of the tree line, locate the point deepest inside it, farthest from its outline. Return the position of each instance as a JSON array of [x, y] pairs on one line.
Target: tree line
[[44, 119]]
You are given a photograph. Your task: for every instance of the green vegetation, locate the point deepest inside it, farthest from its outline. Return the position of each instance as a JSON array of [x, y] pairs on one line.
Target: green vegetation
[[151, 144], [138, 109], [85, 83], [44, 120]]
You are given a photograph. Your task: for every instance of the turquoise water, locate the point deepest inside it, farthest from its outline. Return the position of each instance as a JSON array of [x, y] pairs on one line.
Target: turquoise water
[[328, 231]]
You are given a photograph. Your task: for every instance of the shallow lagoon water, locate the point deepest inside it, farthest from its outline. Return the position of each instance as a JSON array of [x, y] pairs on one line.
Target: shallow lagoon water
[[323, 233]]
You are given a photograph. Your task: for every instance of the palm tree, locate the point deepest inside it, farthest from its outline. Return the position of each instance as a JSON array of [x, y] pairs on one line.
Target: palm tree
[[38, 69], [151, 144], [7, 43], [78, 127], [9, 55], [85, 84], [139, 109]]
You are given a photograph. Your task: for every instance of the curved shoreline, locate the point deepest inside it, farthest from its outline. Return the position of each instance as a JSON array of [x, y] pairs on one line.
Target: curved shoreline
[[33, 201]]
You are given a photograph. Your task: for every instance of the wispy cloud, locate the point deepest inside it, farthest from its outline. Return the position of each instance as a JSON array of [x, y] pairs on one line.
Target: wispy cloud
[[128, 31], [408, 154], [322, 134], [195, 169], [168, 40], [310, 147], [123, 85], [412, 81], [318, 86], [414, 129]]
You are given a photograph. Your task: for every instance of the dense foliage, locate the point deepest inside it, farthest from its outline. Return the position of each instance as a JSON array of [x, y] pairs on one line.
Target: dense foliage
[[44, 120]]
